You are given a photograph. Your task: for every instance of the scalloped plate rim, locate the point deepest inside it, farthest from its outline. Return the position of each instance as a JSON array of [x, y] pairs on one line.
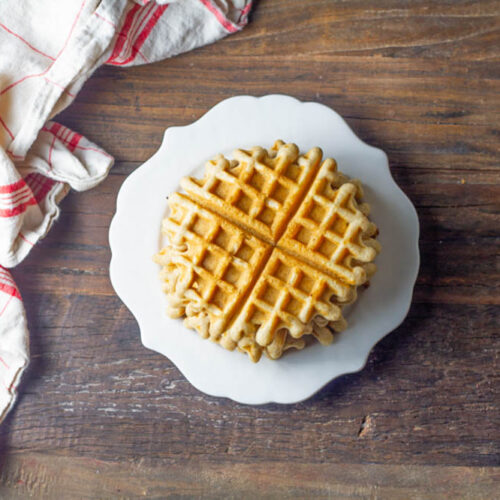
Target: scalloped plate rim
[[169, 134]]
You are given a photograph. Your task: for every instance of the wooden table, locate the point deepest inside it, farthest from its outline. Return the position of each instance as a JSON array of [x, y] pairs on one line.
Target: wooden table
[[100, 416]]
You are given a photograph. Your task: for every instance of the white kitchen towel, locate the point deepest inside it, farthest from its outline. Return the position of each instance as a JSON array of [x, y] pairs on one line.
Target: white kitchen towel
[[48, 50]]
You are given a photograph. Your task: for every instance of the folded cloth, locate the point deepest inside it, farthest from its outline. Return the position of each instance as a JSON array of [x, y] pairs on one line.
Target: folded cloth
[[49, 49]]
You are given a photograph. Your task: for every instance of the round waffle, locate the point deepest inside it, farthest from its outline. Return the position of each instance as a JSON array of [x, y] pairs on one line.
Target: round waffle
[[266, 249]]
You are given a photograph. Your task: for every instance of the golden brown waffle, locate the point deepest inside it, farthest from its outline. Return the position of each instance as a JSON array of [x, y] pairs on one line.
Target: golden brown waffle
[[266, 249], [331, 231], [259, 189]]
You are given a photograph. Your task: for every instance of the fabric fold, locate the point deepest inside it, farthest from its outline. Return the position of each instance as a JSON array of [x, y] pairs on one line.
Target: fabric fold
[[14, 348], [31, 189]]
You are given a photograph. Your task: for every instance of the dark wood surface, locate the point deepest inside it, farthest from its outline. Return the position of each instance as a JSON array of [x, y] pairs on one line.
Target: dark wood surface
[[100, 416]]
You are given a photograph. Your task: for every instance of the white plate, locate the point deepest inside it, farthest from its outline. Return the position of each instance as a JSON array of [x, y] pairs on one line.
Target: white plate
[[134, 235]]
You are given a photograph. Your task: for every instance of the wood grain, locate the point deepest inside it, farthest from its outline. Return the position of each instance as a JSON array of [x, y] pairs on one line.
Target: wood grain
[[87, 478], [417, 79]]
